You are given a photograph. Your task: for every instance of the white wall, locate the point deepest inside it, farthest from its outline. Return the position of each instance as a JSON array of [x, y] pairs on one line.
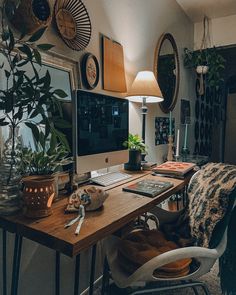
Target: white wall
[[137, 25], [222, 31]]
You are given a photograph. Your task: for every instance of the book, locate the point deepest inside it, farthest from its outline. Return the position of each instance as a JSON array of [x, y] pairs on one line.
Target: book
[[148, 187], [171, 175], [175, 168]]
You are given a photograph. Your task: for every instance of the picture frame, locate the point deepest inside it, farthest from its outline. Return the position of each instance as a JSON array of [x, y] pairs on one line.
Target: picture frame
[[185, 115], [90, 71], [65, 74]]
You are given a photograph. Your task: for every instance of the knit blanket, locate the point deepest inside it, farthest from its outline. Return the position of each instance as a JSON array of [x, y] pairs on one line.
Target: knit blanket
[[209, 198]]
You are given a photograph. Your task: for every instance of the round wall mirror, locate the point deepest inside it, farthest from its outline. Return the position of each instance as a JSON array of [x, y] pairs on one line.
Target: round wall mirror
[[166, 70]]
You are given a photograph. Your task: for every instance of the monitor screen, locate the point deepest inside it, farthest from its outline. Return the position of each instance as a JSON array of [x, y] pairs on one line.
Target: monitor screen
[[100, 130]]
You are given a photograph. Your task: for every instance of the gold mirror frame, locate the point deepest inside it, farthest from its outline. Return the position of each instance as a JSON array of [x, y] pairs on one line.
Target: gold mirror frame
[[170, 38]]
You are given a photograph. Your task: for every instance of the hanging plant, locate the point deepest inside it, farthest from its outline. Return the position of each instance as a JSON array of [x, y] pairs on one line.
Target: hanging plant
[[206, 61], [209, 61]]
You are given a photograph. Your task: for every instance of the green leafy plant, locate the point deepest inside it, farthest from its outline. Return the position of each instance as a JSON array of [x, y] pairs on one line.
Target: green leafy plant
[[47, 159], [207, 57], [27, 98], [136, 143]]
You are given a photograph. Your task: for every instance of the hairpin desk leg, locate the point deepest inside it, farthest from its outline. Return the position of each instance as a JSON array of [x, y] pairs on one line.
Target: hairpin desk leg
[[57, 277], [105, 277], [16, 264], [4, 262], [92, 271], [77, 272]]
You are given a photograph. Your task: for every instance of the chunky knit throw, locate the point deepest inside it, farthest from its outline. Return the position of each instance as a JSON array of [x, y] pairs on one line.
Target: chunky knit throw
[[209, 195]]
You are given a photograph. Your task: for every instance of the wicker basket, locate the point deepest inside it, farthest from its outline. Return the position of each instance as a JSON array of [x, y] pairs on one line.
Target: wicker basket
[[38, 194], [32, 15]]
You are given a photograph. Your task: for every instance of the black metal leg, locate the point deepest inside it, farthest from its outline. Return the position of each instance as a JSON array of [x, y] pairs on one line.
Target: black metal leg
[[57, 277], [77, 272], [4, 262], [92, 271], [195, 290], [105, 278], [16, 264], [177, 202]]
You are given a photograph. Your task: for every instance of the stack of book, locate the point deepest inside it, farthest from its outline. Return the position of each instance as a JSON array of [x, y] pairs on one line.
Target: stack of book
[[174, 169]]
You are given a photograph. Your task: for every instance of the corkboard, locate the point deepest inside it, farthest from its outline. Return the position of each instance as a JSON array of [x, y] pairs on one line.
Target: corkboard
[[113, 66]]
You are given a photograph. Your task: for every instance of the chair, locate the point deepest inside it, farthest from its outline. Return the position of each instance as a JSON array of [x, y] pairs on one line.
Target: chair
[[206, 258]]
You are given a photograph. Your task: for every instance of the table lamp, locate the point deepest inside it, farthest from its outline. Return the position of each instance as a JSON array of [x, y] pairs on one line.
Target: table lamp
[[145, 89]]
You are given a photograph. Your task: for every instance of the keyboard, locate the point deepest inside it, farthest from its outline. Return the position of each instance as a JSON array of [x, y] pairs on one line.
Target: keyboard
[[110, 178]]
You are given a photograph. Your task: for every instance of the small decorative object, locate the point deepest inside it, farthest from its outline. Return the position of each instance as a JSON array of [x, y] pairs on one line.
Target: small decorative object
[[30, 15], [170, 148], [91, 198], [73, 23], [90, 71], [38, 194], [113, 66], [136, 147]]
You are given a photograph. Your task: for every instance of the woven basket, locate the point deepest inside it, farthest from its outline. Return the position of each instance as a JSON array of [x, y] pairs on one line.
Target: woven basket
[[38, 194], [32, 15]]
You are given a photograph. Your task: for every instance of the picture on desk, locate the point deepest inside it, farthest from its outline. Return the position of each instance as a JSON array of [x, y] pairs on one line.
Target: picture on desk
[[162, 130], [148, 187]]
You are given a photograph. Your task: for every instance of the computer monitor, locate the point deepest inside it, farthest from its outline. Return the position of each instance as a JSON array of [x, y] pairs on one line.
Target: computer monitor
[[100, 127]]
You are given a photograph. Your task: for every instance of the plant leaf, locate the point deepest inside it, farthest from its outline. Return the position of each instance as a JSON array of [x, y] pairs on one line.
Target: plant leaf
[[37, 35], [34, 130], [45, 47]]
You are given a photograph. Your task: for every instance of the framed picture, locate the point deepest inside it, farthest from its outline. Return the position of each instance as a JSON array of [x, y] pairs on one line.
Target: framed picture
[[162, 126], [90, 71], [185, 112]]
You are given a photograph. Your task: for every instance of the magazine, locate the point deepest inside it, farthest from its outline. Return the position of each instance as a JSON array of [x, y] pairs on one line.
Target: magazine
[[148, 187]]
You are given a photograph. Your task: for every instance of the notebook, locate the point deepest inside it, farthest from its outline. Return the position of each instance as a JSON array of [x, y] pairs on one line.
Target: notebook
[[148, 187]]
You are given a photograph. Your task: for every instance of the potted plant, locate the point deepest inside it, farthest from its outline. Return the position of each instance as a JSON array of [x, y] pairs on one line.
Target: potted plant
[[23, 98], [207, 61], [136, 148], [39, 169]]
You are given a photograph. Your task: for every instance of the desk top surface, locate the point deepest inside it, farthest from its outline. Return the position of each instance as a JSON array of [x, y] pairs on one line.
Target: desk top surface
[[119, 209]]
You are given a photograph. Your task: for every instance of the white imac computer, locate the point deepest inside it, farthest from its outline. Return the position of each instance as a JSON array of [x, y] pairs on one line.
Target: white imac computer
[[100, 127]]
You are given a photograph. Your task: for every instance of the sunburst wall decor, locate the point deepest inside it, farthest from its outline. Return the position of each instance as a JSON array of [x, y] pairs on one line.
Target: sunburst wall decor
[[73, 23]]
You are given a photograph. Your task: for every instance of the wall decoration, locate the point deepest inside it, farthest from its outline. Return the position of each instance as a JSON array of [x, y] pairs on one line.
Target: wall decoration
[[185, 111], [162, 130], [90, 71], [30, 15], [73, 23], [113, 66]]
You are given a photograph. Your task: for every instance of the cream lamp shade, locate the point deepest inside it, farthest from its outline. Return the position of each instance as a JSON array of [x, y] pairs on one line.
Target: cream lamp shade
[[145, 86]]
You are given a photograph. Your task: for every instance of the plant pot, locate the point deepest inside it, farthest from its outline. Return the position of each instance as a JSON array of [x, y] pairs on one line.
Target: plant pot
[[38, 194], [202, 69], [135, 159]]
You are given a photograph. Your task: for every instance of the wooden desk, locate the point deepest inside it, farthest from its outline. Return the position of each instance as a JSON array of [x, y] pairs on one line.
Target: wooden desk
[[119, 209]]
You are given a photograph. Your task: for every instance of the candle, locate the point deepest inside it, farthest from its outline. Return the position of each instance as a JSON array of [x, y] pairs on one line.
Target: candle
[[177, 144], [185, 136], [170, 124]]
